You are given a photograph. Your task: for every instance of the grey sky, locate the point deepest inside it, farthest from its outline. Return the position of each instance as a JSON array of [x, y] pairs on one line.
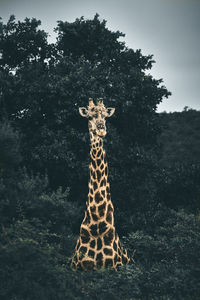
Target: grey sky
[[168, 29]]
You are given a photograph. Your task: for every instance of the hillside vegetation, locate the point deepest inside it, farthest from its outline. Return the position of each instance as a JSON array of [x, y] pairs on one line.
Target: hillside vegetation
[[180, 137]]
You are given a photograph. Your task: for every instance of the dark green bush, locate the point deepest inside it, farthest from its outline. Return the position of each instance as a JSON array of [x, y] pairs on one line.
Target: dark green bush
[[178, 186], [31, 263], [10, 155], [169, 257]]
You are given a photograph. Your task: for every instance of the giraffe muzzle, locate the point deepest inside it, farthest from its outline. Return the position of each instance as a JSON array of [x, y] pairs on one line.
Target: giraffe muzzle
[[101, 130], [102, 133]]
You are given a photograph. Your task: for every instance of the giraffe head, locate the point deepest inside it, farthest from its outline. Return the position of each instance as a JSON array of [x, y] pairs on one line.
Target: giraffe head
[[96, 115]]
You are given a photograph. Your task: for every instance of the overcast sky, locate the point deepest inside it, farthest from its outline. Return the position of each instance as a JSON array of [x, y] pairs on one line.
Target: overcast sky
[[168, 29]]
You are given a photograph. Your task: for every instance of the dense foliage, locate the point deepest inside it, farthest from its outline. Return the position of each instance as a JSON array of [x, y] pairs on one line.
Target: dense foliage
[[180, 138], [44, 148]]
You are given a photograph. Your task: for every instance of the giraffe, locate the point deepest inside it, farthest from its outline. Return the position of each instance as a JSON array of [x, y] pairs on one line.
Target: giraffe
[[98, 245]]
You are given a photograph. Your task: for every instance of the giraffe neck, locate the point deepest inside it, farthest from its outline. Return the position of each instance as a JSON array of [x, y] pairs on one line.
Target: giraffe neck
[[98, 245], [98, 183], [99, 205]]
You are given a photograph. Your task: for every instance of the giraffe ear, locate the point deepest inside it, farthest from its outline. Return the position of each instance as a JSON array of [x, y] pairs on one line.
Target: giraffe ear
[[110, 111], [83, 112]]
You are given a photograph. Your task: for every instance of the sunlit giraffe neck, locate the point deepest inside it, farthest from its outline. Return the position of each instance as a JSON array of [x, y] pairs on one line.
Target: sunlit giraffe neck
[[98, 245]]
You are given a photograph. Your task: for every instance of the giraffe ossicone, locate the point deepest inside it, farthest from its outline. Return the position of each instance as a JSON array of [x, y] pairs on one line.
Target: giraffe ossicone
[[98, 245]]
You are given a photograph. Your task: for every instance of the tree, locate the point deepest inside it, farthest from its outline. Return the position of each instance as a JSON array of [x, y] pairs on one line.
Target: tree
[[10, 147], [89, 38], [22, 42], [180, 137], [43, 101]]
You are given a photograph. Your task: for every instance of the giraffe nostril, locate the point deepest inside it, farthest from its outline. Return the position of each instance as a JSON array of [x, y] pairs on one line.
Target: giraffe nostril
[[100, 126]]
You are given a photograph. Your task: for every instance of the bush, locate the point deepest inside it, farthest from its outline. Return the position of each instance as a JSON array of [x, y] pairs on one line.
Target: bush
[[25, 195], [169, 257], [10, 147], [31, 264]]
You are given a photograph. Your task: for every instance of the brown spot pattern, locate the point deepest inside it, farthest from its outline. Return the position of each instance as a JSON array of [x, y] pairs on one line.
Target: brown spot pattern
[[98, 245]]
